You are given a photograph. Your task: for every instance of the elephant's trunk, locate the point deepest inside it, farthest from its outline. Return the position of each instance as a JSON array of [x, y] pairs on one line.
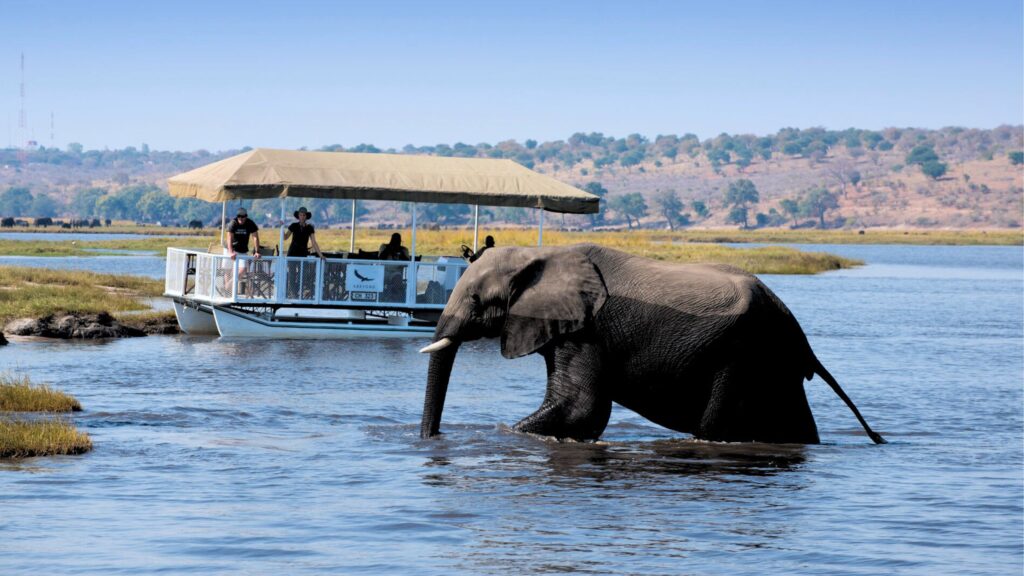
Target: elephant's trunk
[[438, 374]]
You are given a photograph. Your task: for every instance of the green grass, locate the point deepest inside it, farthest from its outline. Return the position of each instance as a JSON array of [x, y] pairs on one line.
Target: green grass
[[28, 437], [24, 437], [19, 394], [36, 292]]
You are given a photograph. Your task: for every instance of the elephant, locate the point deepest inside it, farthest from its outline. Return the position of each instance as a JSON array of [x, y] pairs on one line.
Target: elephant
[[704, 349]]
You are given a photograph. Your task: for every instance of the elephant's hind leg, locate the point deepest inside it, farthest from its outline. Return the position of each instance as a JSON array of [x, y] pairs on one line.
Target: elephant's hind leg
[[760, 405], [576, 405]]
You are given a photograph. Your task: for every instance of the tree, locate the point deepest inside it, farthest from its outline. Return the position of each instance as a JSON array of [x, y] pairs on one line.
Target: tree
[[817, 202], [738, 215], [629, 206], [741, 192], [791, 207], [15, 201], [157, 206], [1016, 158], [844, 173], [671, 207], [700, 208], [934, 169], [921, 154], [925, 156], [596, 189], [600, 191], [631, 158], [43, 206], [83, 205]]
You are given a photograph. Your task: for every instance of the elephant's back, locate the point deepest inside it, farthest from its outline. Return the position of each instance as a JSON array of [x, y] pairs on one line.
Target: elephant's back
[[703, 289], [674, 314]]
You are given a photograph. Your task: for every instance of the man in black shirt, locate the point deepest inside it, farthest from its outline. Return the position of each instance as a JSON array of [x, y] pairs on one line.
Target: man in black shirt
[[239, 231]]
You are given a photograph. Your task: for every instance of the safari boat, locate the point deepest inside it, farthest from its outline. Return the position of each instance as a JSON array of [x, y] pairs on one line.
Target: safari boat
[[347, 294]]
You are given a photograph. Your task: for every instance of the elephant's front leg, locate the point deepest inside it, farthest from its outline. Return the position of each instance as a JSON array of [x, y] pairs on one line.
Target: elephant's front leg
[[576, 404]]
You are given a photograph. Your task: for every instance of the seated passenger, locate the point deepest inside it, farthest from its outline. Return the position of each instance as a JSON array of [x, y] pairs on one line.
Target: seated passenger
[[394, 250], [468, 254]]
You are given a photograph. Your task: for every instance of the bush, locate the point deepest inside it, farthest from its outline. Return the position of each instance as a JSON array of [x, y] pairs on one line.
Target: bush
[[933, 169]]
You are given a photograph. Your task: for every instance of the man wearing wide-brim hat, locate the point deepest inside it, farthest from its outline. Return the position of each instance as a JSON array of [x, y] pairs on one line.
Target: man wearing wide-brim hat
[[302, 235]]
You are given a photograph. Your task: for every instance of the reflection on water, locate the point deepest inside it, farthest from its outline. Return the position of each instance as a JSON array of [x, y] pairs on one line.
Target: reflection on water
[[304, 457]]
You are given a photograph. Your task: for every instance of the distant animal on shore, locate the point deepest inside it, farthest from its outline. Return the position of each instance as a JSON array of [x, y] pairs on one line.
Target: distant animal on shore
[[700, 348], [195, 224]]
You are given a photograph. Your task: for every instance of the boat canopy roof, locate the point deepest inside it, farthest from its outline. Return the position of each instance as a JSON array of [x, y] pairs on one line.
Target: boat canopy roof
[[269, 173]]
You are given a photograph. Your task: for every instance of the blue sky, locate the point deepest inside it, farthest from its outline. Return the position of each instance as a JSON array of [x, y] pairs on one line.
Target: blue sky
[[219, 75]]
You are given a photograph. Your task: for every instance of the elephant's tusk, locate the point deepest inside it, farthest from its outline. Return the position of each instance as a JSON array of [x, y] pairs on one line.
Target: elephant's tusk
[[439, 345]]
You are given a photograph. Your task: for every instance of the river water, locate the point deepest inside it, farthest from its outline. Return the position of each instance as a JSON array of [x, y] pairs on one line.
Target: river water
[[216, 456]]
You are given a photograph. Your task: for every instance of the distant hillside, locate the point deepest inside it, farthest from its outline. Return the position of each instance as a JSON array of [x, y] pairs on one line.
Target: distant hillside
[[952, 177]]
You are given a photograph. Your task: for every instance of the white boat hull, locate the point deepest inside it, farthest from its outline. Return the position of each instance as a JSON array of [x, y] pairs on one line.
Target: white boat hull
[[233, 323], [194, 321]]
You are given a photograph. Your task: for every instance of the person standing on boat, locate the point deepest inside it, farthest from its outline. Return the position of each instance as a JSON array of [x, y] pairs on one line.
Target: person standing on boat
[[301, 276], [238, 233], [302, 235]]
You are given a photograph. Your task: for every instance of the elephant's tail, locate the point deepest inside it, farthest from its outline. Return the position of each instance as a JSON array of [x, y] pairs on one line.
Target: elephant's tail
[[821, 371]]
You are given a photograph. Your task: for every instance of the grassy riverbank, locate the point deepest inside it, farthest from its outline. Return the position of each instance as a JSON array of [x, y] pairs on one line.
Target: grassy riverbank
[[691, 245], [155, 245], [764, 260], [35, 292], [22, 436]]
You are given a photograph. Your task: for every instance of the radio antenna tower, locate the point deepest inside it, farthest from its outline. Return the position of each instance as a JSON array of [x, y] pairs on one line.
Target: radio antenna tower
[[23, 121]]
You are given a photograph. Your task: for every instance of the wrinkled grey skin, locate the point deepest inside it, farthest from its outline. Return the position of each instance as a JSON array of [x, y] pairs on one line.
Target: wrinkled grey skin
[[704, 349]]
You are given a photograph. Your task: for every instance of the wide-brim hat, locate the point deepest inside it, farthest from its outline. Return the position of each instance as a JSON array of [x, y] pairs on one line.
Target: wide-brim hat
[[309, 215]]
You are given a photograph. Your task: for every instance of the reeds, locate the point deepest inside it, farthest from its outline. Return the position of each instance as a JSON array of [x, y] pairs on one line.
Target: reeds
[[18, 394], [26, 436]]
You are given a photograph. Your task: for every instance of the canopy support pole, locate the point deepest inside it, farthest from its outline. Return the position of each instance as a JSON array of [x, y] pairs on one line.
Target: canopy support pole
[[352, 238], [413, 231], [280, 240], [476, 227], [411, 274], [223, 219], [540, 228]]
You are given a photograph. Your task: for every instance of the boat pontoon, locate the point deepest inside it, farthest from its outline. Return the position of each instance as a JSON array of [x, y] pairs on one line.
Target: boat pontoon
[[351, 293]]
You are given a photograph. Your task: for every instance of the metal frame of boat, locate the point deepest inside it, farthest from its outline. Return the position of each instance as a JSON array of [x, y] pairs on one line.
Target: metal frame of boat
[[343, 295]]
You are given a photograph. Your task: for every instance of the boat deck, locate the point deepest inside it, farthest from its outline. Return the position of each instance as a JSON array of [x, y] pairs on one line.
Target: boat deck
[[305, 296]]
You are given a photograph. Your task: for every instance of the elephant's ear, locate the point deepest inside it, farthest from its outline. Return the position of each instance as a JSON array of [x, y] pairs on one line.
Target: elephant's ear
[[554, 294]]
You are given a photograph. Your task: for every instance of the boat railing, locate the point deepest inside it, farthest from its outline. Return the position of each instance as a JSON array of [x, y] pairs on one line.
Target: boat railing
[[219, 279]]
